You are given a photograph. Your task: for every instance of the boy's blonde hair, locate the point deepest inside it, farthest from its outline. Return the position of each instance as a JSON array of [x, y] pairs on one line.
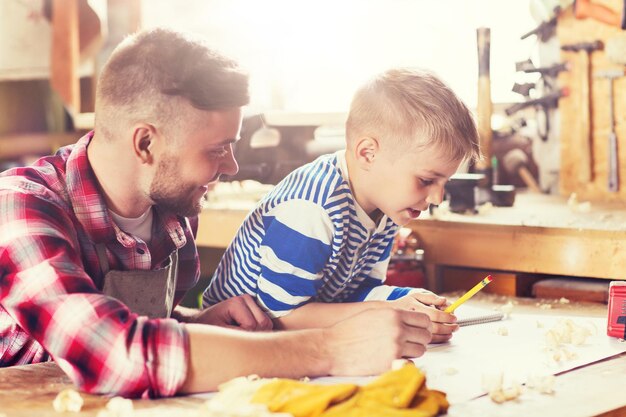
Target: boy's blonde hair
[[413, 109]]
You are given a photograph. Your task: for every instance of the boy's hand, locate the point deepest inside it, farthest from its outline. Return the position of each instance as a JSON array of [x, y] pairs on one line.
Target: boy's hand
[[240, 312], [423, 301]]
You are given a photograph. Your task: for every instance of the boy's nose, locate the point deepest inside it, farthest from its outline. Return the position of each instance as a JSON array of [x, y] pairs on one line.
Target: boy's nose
[[435, 194]]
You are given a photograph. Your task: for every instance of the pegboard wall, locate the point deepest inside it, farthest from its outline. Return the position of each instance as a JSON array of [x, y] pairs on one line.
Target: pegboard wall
[[574, 143]]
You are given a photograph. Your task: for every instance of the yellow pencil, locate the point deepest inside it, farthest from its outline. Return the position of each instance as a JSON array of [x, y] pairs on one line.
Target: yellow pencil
[[469, 294]]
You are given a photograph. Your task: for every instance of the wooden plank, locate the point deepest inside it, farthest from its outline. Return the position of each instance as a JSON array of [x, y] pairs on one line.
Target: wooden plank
[[583, 253], [15, 146], [65, 53], [217, 228]]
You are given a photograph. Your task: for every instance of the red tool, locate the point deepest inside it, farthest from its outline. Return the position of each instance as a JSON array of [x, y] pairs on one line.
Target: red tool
[[616, 323], [585, 8]]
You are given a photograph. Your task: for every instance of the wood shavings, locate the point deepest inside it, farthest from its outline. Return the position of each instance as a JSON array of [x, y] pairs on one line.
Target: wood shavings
[[234, 399], [68, 400], [398, 363], [450, 371], [485, 208], [576, 206], [506, 309], [541, 383], [502, 331], [563, 300], [565, 332], [498, 392], [117, 407], [544, 306]]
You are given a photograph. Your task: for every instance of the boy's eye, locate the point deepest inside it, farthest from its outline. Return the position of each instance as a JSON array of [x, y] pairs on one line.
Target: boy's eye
[[426, 182]]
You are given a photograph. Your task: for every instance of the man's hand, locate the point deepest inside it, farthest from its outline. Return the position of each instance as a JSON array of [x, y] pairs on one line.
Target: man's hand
[[367, 343], [240, 312], [444, 324]]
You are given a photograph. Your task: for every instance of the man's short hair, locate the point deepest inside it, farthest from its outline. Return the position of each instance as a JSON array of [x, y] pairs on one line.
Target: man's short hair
[[149, 72], [410, 109]]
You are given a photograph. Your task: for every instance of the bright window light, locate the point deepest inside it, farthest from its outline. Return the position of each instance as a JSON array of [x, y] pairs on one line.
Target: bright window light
[[310, 55]]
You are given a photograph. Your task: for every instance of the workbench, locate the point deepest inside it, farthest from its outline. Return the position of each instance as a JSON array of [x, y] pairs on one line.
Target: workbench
[[591, 390], [540, 234]]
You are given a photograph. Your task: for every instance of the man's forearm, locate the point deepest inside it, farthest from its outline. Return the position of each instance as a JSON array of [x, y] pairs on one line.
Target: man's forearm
[[320, 315], [218, 354]]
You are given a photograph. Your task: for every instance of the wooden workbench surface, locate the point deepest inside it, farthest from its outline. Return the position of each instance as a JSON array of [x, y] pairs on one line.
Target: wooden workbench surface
[[546, 211], [587, 391], [219, 225]]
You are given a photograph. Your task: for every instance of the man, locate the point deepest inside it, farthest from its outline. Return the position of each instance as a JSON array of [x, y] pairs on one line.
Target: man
[[97, 244]]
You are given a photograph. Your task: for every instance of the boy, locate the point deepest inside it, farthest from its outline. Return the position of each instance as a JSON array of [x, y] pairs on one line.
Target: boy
[[319, 243]]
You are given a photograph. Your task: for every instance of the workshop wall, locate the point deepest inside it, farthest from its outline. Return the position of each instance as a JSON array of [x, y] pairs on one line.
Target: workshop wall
[[570, 31]]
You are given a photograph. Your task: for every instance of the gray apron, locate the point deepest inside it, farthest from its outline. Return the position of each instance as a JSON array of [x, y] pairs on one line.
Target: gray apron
[[147, 293]]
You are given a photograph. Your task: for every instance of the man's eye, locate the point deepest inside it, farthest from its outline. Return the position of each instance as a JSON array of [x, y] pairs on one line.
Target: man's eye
[[219, 153]]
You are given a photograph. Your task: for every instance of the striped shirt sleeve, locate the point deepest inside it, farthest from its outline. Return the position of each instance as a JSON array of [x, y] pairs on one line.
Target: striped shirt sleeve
[[373, 288], [293, 253]]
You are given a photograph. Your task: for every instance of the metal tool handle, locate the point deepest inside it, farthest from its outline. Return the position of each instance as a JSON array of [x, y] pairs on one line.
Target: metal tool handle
[[613, 174]]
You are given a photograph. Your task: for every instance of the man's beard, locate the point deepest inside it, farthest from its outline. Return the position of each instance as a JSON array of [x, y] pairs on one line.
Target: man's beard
[[172, 196]]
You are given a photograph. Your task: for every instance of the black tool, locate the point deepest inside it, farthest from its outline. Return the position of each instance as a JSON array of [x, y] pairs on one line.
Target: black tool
[[546, 29]]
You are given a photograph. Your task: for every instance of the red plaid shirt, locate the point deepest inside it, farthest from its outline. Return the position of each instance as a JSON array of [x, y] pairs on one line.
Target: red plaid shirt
[[51, 217]]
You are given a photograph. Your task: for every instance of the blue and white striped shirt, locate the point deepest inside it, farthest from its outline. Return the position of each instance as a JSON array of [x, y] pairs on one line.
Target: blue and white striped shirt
[[308, 240]]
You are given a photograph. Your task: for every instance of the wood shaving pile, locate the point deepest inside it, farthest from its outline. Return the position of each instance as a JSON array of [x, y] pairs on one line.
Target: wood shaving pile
[[542, 383], [234, 399], [68, 400], [118, 407], [506, 309], [565, 332], [498, 392], [502, 331]]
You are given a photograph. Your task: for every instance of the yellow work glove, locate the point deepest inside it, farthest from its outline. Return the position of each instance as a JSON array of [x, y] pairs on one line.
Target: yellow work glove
[[300, 398], [399, 393]]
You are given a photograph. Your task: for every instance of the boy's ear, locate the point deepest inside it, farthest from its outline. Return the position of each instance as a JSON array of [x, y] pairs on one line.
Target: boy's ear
[[366, 150], [144, 137]]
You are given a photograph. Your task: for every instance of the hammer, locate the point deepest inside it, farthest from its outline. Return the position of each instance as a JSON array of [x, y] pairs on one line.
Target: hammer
[[484, 108], [584, 50], [613, 183], [516, 161]]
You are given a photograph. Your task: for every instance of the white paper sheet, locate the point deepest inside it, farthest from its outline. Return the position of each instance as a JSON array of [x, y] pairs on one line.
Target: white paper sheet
[[479, 350], [457, 367]]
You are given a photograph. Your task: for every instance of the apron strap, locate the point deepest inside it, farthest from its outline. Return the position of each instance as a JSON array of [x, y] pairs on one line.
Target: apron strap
[[102, 257]]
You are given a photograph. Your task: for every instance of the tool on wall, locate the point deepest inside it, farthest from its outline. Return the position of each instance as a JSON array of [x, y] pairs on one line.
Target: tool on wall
[[613, 165], [584, 51], [546, 29], [584, 9], [547, 83], [516, 162], [548, 74], [543, 104], [484, 106]]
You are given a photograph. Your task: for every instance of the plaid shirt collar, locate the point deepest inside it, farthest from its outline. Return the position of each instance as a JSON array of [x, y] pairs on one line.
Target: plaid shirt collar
[[91, 210]]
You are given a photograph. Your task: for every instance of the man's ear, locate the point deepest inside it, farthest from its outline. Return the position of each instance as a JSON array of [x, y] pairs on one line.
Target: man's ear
[[144, 136], [366, 150]]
